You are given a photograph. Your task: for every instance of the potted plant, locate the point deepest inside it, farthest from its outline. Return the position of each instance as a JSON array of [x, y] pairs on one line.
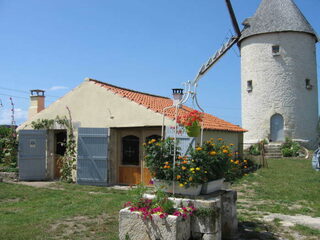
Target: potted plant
[[207, 163], [191, 121], [216, 158], [157, 217]]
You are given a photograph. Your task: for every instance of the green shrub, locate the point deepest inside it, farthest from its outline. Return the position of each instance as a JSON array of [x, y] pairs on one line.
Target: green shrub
[[290, 148], [8, 147], [255, 150]]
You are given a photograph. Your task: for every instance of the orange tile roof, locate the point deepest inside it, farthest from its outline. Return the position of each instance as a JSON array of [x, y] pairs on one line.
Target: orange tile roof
[[158, 103]]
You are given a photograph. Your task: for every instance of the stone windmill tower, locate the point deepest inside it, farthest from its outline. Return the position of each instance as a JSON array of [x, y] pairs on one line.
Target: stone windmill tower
[[279, 74]]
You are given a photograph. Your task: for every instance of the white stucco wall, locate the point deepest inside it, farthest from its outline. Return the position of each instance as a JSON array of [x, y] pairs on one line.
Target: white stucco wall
[[95, 106], [279, 85]]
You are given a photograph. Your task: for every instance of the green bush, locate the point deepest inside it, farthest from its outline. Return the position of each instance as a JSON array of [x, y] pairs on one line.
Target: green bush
[[255, 150], [290, 148], [8, 147], [213, 160]]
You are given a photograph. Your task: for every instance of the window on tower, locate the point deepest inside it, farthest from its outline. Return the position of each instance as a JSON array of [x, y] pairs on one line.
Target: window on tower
[[275, 50], [249, 86], [308, 84]]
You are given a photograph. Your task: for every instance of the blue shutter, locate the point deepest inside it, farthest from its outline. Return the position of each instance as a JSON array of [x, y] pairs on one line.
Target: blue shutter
[[184, 141], [32, 154], [92, 167]]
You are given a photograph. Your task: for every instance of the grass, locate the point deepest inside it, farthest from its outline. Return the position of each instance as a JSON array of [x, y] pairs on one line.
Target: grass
[[70, 211], [74, 212], [306, 231], [288, 186]]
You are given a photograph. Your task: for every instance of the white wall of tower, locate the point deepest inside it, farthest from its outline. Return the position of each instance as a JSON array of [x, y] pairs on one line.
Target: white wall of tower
[[279, 85]]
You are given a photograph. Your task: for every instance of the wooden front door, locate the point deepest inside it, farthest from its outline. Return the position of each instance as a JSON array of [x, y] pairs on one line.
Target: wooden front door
[[132, 169]]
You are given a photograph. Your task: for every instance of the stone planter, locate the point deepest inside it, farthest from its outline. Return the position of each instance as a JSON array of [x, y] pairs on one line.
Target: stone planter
[[133, 227], [212, 186], [167, 186]]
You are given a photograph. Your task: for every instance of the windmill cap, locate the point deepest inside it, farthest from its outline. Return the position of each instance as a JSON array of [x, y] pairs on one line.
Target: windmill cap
[[277, 16]]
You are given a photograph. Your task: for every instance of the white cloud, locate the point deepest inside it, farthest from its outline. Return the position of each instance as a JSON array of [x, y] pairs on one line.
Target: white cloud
[[55, 88], [20, 116]]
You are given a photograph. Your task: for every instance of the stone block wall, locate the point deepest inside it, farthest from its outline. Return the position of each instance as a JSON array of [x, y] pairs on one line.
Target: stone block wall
[[216, 219]]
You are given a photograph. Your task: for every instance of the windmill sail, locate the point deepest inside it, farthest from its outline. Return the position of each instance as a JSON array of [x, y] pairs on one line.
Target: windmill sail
[[214, 59], [225, 47]]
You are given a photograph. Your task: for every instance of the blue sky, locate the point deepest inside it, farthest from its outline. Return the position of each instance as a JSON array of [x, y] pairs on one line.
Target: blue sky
[[145, 45]]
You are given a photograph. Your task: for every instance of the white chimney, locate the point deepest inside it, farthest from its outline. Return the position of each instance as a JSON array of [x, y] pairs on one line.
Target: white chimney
[[177, 95], [36, 102]]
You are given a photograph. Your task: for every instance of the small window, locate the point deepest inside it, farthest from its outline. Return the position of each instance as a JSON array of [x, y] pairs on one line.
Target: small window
[[275, 50], [249, 86], [130, 150], [308, 84]]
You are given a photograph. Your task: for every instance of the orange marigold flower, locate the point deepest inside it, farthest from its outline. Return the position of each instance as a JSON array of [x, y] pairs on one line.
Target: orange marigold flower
[[166, 163], [230, 154], [225, 151], [220, 139], [212, 153], [180, 157], [190, 179], [245, 167], [183, 168], [246, 161], [168, 167], [178, 177]]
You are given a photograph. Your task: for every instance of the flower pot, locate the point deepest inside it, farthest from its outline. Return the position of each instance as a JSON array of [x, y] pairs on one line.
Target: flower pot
[[167, 186], [193, 131], [133, 226], [212, 186]]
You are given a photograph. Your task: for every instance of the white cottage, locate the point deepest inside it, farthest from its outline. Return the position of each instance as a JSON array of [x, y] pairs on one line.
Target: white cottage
[[279, 75], [111, 124]]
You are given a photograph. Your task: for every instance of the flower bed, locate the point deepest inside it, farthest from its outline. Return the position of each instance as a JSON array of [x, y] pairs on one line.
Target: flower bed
[[212, 161]]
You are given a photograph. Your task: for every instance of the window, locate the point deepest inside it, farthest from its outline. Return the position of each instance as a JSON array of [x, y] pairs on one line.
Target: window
[[275, 50], [130, 150], [249, 86], [308, 84]]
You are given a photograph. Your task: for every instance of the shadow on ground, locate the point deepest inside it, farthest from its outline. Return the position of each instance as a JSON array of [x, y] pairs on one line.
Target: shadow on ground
[[254, 230]]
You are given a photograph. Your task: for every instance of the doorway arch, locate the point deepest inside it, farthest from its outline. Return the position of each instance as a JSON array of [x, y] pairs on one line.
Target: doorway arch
[[277, 128]]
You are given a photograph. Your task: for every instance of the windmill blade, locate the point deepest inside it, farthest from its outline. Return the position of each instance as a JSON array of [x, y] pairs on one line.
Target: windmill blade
[[214, 59], [225, 47], [233, 19]]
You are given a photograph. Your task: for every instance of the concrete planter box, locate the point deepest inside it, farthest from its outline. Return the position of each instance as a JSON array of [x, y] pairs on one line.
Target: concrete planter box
[[212, 186], [167, 186], [133, 227]]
